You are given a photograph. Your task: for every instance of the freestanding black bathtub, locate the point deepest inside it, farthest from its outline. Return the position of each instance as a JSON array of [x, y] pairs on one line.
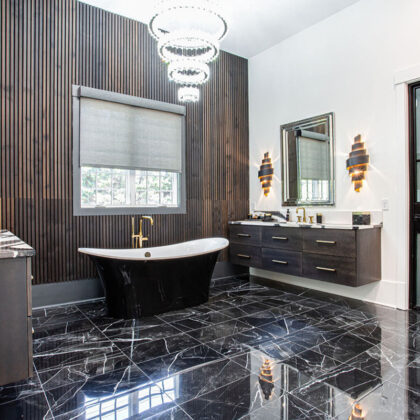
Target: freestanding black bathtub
[[149, 281]]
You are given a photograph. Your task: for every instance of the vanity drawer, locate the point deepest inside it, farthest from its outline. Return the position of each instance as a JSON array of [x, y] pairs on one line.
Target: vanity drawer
[[341, 270], [247, 255], [281, 237], [287, 262], [330, 241], [245, 234]]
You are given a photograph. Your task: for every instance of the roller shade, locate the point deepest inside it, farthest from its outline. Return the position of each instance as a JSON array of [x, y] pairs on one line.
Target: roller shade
[[131, 137], [313, 159]]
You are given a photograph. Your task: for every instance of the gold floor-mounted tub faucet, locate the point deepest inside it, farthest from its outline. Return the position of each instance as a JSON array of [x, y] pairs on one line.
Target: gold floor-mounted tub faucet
[[138, 239]]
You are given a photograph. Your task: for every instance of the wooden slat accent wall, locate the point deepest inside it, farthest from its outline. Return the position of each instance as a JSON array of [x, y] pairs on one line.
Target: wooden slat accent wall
[[48, 45]]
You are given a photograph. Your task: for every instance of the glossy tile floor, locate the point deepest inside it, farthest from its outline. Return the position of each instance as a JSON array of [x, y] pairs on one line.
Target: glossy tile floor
[[321, 354]]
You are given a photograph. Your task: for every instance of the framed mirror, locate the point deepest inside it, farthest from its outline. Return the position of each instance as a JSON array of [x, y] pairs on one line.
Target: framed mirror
[[308, 155]]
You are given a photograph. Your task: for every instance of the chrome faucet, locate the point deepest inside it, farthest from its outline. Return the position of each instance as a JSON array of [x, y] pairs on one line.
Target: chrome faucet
[[138, 239], [304, 213]]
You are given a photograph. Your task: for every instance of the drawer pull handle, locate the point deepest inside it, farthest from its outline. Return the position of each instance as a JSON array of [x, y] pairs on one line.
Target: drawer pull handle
[[280, 262], [243, 235], [243, 256], [332, 270], [326, 242], [280, 238]]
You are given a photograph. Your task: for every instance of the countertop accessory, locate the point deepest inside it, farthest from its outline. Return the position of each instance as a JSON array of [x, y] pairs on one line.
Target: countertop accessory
[[267, 217], [311, 219], [265, 174], [276, 213], [361, 218], [319, 218], [357, 163]]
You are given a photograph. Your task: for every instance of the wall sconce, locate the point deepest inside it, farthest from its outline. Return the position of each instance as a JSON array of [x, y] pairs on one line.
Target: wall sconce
[[358, 162], [265, 174]]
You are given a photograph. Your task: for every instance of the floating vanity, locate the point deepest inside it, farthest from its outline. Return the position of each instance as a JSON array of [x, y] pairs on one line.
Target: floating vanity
[[15, 308], [341, 254]]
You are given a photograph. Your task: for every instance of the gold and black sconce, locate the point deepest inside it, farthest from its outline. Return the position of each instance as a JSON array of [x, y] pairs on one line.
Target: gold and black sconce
[[358, 162], [265, 174]]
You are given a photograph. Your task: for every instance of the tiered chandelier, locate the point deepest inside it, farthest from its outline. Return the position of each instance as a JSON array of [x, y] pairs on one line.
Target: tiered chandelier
[[188, 33]]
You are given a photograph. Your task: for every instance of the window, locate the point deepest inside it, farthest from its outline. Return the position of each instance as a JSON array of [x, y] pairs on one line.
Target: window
[[110, 187], [128, 154]]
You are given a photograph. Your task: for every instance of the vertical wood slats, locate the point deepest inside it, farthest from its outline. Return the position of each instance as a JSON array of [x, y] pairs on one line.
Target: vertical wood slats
[[48, 45]]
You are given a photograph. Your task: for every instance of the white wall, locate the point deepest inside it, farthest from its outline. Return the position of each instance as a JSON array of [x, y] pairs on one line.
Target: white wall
[[345, 64]]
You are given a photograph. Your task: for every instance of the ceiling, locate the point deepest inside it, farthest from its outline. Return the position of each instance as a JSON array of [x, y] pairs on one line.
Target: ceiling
[[254, 25]]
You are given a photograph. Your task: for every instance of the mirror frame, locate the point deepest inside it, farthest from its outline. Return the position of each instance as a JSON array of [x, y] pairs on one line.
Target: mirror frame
[[286, 201]]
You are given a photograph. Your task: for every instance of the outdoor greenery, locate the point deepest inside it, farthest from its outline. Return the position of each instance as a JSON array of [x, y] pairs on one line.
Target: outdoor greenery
[[111, 187]]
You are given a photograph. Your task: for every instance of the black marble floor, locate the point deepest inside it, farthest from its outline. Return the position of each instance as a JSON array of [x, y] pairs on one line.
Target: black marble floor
[[324, 353]]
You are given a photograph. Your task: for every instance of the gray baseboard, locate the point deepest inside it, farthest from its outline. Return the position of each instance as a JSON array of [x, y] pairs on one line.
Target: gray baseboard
[[66, 292], [89, 289]]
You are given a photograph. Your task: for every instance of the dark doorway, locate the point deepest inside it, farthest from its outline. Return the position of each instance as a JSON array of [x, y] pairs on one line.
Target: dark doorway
[[414, 104]]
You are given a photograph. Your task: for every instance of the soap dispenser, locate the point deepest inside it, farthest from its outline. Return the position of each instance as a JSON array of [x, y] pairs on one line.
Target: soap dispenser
[[288, 215]]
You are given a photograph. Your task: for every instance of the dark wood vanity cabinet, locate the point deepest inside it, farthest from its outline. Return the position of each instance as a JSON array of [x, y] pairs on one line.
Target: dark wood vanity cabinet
[[15, 312], [351, 257]]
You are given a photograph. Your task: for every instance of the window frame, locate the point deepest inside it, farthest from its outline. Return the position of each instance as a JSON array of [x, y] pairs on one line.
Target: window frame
[[82, 91]]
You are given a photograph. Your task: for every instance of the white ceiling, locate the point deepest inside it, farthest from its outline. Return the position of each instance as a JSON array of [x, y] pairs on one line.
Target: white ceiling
[[254, 25]]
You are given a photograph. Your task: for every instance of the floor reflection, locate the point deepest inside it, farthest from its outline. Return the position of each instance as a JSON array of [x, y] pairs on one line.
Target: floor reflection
[[252, 352], [124, 405]]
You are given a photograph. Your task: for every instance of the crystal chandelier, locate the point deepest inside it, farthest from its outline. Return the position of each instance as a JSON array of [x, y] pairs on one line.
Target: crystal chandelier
[[188, 34]]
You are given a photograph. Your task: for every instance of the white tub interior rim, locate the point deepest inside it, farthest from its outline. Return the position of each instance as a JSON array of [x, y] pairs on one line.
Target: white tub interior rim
[[167, 252]]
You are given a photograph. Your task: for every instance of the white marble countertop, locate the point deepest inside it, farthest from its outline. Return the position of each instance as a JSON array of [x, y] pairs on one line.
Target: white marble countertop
[[304, 225], [13, 247]]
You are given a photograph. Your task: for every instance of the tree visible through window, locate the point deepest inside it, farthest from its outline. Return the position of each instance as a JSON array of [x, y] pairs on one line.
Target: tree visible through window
[[111, 187]]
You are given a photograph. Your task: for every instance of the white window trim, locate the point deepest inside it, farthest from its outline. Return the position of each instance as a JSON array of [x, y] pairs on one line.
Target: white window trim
[[78, 210]]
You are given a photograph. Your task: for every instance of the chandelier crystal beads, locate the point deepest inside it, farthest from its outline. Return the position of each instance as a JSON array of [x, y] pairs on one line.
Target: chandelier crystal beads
[[188, 34]]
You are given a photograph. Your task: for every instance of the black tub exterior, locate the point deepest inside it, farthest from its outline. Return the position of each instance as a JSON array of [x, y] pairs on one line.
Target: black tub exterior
[[136, 288]]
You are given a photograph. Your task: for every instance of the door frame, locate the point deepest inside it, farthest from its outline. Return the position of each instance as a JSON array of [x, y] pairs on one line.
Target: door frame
[[403, 236], [414, 208]]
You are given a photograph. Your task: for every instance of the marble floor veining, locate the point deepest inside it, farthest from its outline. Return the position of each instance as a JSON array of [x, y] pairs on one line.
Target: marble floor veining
[[256, 350]]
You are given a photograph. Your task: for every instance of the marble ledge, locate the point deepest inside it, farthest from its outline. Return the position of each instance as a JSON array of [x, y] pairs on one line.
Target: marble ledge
[[305, 225], [13, 247]]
